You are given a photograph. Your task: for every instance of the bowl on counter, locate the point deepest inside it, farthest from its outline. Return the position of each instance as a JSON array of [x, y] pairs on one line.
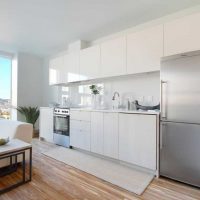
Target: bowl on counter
[[146, 108], [4, 141]]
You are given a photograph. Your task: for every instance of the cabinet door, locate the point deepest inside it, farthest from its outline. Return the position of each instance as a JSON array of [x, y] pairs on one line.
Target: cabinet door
[[97, 132], [137, 139], [71, 65], [75, 139], [46, 124], [85, 135], [55, 70], [110, 124], [113, 57], [90, 63], [182, 35], [80, 134], [144, 50]]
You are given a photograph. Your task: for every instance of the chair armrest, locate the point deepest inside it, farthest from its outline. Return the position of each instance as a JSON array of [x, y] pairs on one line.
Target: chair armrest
[[24, 132]]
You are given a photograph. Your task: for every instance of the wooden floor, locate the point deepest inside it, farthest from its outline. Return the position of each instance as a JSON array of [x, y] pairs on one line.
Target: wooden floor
[[53, 180]]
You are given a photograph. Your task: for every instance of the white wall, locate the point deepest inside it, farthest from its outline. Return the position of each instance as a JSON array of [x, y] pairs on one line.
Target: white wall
[[142, 87], [161, 20], [29, 80], [29, 90], [50, 93]]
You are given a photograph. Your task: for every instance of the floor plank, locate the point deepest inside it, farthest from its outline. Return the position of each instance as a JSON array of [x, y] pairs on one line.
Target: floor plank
[[53, 180]]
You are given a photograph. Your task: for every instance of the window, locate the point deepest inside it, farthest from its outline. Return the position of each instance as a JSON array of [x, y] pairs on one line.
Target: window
[[5, 87], [85, 94], [79, 95]]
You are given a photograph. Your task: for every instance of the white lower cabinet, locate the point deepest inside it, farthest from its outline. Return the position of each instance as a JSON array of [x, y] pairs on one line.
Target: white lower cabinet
[[80, 134], [137, 139], [110, 130], [80, 115], [97, 132], [46, 123], [127, 137]]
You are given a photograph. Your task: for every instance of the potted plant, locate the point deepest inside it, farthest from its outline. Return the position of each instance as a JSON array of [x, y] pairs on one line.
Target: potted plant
[[95, 90], [31, 115]]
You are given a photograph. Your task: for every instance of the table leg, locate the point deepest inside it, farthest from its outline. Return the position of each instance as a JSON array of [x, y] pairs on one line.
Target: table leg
[[23, 169]]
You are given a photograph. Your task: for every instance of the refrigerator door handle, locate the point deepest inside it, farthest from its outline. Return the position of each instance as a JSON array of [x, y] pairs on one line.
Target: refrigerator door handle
[[163, 125], [163, 105]]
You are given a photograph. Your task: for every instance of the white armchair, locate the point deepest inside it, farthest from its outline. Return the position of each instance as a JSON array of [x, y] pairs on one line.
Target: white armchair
[[15, 129]]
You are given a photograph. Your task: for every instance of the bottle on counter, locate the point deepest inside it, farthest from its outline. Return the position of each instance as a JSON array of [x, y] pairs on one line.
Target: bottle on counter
[[133, 106], [128, 104]]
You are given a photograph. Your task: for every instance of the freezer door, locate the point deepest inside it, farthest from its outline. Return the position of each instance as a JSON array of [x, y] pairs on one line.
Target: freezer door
[[180, 89], [180, 152]]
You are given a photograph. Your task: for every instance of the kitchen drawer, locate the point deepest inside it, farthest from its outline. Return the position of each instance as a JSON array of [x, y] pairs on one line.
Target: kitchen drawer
[[85, 126], [79, 125], [80, 115], [74, 125]]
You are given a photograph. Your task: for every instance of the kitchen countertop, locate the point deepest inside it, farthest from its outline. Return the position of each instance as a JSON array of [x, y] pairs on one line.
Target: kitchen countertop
[[118, 111]]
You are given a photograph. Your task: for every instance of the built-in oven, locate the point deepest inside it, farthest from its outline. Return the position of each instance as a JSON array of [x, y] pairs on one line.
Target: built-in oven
[[61, 135]]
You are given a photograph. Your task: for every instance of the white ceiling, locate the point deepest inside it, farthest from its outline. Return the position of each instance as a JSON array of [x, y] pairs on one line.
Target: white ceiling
[[45, 26]]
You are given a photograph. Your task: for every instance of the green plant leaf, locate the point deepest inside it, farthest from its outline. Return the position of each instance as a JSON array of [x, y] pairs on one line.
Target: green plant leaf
[[31, 114]]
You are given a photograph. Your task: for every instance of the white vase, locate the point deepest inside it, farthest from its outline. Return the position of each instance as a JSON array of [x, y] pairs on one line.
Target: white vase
[[95, 101]]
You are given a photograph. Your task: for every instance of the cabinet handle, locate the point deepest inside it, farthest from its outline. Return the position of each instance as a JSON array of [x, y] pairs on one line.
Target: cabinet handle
[[163, 106]]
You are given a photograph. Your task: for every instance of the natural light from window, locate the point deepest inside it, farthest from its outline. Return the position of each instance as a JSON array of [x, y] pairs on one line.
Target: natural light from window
[[5, 87]]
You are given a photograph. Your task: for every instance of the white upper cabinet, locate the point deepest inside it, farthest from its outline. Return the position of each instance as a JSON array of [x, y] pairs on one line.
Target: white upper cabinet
[[182, 35], [144, 50], [90, 63], [64, 69], [55, 70], [71, 66], [113, 57], [134, 53]]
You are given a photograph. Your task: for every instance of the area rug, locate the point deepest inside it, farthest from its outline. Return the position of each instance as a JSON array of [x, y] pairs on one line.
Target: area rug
[[133, 180]]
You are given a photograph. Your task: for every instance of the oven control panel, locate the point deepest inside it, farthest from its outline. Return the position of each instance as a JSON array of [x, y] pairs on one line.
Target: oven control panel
[[61, 111]]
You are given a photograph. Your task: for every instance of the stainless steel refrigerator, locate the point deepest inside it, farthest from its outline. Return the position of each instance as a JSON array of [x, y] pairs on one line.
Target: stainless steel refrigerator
[[180, 118]]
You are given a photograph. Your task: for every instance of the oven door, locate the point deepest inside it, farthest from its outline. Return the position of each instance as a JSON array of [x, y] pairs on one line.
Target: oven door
[[61, 125], [61, 130]]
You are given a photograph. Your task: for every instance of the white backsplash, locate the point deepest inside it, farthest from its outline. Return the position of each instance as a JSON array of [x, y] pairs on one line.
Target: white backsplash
[[142, 87]]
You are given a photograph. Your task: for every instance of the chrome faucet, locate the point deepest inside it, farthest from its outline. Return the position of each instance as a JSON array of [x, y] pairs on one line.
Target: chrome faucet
[[114, 96], [115, 104]]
